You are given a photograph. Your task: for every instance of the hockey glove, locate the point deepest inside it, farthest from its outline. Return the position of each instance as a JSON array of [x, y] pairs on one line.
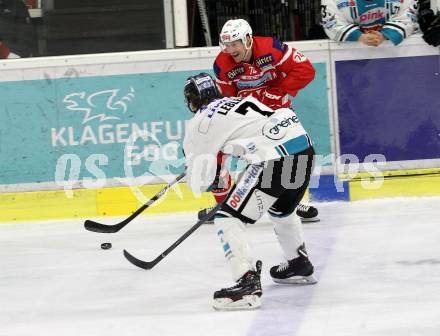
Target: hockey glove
[[430, 25], [221, 187], [274, 98], [222, 183]]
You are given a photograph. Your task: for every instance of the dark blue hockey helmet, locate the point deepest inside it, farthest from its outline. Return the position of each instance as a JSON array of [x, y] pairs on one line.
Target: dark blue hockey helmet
[[200, 90]]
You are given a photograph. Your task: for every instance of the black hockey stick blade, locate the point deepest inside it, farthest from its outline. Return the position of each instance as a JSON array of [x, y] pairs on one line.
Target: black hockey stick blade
[[140, 263], [112, 228], [150, 264], [103, 228]]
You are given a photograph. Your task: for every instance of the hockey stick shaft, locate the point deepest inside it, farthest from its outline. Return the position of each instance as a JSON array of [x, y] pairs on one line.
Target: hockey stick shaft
[[104, 228], [150, 264]]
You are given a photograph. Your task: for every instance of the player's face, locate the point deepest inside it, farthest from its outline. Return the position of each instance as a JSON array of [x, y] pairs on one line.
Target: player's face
[[193, 107], [236, 49]]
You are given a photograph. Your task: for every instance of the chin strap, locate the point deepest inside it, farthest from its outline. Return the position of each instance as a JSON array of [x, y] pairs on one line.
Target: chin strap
[[247, 49]]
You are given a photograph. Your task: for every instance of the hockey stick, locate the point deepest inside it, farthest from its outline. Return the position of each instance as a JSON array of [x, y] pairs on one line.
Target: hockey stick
[[205, 23], [104, 228], [150, 264]]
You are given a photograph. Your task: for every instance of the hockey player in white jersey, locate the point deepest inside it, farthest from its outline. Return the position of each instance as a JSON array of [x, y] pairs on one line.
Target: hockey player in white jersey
[[279, 154]]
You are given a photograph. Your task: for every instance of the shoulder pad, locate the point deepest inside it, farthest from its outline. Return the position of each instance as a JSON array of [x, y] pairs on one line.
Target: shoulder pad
[[277, 44], [216, 69]]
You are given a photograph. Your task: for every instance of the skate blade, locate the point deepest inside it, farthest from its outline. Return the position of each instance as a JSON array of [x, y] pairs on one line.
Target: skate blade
[[248, 302], [297, 280], [309, 220]]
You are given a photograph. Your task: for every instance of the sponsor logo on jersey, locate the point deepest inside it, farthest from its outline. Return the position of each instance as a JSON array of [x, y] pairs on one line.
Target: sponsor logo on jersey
[[329, 23], [251, 147], [345, 3], [372, 15], [252, 71], [259, 202], [244, 186], [264, 60], [235, 72], [258, 74], [267, 77], [276, 129], [251, 77]]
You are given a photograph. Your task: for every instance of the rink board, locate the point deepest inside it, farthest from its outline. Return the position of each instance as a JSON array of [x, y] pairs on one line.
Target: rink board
[[90, 123], [386, 104], [68, 124], [88, 203], [121, 201]]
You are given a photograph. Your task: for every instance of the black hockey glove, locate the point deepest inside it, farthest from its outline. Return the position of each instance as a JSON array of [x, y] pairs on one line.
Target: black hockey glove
[[430, 26], [432, 35], [222, 181]]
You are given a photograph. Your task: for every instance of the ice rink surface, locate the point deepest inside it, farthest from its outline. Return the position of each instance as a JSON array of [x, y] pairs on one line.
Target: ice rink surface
[[377, 263]]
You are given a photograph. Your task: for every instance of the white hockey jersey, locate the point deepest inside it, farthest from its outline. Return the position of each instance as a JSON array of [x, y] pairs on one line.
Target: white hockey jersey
[[346, 20], [242, 128]]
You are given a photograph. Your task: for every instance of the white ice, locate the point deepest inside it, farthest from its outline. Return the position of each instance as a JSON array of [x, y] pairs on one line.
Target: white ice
[[377, 263]]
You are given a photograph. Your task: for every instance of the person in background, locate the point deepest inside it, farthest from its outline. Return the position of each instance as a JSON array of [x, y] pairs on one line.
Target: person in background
[[5, 53], [370, 22], [429, 23], [266, 69], [18, 31]]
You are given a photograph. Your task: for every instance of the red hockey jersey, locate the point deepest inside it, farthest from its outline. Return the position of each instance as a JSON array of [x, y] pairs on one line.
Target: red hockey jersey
[[273, 65]]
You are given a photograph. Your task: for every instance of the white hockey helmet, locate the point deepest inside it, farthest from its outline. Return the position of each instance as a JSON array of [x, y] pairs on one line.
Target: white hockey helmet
[[234, 30]]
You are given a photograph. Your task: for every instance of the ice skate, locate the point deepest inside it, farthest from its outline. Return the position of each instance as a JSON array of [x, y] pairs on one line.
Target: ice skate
[[295, 271], [307, 213], [245, 295]]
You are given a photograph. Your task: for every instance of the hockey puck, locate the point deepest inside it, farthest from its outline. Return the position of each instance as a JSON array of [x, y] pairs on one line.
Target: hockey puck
[[106, 246]]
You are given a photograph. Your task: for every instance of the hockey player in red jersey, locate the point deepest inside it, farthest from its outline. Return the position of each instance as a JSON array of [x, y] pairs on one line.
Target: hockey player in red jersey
[[266, 69], [263, 67]]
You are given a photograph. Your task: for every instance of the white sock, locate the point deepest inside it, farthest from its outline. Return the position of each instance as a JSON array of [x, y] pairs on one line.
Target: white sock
[[289, 233], [235, 244]]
